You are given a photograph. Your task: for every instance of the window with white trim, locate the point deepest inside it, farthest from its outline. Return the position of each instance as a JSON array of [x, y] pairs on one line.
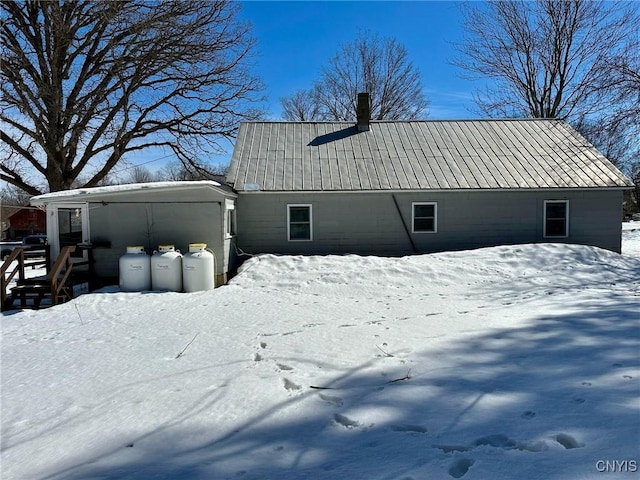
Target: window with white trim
[[230, 223], [424, 217], [556, 218], [299, 222]]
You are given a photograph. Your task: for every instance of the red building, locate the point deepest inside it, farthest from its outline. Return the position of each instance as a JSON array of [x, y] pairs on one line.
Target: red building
[[26, 221]]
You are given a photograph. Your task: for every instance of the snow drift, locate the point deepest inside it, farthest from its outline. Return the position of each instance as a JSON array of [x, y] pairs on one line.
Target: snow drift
[[506, 362]]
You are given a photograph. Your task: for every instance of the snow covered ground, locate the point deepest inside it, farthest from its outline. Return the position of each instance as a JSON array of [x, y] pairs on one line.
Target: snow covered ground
[[507, 362]]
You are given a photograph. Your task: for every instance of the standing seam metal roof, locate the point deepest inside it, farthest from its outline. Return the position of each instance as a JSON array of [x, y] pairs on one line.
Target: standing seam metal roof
[[417, 155]]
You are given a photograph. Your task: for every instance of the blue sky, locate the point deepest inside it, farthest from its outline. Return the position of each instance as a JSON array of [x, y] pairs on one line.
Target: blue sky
[[296, 38]]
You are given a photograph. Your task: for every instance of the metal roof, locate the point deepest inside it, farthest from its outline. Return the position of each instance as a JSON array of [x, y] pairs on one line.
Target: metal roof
[[410, 155]]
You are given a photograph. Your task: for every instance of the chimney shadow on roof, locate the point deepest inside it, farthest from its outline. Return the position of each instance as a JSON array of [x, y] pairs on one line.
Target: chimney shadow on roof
[[333, 136]]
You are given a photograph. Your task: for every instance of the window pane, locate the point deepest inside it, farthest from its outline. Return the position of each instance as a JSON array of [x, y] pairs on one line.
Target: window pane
[[556, 228], [300, 231], [299, 214], [70, 228], [556, 219], [423, 210], [423, 225], [556, 210]]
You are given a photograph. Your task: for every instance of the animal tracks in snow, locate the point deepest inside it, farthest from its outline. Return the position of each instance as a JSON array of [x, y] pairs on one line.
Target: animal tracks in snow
[[291, 386], [409, 428], [460, 467], [505, 443], [337, 401], [567, 441], [345, 421]]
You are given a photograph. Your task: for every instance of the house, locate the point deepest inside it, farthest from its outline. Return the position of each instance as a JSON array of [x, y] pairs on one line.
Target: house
[[105, 220], [22, 221], [369, 187], [401, 187]]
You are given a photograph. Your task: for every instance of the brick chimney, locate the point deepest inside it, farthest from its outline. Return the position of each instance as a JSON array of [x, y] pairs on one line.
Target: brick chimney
[[363, 112]]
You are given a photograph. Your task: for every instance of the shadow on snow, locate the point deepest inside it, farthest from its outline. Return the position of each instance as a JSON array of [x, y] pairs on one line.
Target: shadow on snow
[[492, 392]]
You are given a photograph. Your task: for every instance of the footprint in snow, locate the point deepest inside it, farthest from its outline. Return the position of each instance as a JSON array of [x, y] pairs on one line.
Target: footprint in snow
[[345, 421], [567, 441], [291, 386], [337, 401], [497, 440], [460, 467], [282, 366]]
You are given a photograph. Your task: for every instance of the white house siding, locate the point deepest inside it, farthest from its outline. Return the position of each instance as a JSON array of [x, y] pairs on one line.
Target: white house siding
[[153, 224], [153, 214], [369, 223]]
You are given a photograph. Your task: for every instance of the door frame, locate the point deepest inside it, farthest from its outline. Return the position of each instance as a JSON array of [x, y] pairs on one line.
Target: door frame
[[53, 228]]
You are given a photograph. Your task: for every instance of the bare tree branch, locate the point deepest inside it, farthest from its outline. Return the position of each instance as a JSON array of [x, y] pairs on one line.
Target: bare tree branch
[[380, 66], [545, 58], [87, 83]]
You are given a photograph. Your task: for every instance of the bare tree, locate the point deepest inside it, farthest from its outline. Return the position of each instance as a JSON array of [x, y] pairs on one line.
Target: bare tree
[[84, 83], [12, 195], [380, 66], [176, 171], [139, 174], [546, 58], [302, 106], [623, 80]]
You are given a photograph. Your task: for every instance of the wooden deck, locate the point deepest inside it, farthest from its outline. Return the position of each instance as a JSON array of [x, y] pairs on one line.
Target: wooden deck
[[51, 289]]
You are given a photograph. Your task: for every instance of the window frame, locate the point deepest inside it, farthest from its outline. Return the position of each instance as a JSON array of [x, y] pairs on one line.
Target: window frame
[[230, 227], [566, 219], [310, 222], [413, 217]]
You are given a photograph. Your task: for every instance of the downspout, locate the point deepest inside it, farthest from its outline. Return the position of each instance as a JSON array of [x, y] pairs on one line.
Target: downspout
[[404, 224]]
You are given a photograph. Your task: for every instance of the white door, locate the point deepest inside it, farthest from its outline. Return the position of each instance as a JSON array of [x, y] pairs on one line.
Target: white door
[[68, 224]]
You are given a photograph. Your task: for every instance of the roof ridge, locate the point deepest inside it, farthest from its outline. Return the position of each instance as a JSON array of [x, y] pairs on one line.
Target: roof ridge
[[415, 120]]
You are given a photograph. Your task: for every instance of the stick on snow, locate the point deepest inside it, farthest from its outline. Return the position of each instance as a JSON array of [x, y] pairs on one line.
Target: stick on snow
[[406, 377], [185, 348]]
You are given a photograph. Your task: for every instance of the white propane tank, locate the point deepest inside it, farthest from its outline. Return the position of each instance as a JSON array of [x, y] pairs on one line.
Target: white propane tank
[[166, 269], [198, 268], [135, 270]]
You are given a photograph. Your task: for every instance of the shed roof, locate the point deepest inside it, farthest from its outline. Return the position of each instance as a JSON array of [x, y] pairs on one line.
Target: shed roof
[[416, 155], [99, 193]]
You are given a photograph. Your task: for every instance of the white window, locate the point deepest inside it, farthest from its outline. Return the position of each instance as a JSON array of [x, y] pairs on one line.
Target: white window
[[230, 221], [424, 217], [299, 223], [556, 218]]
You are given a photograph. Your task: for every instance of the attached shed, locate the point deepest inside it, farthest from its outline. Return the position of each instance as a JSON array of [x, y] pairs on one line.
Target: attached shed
[[108, 219], [401, 187]]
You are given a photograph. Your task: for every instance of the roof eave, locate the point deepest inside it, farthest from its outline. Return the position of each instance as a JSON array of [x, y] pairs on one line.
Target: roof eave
[[83, 195]]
